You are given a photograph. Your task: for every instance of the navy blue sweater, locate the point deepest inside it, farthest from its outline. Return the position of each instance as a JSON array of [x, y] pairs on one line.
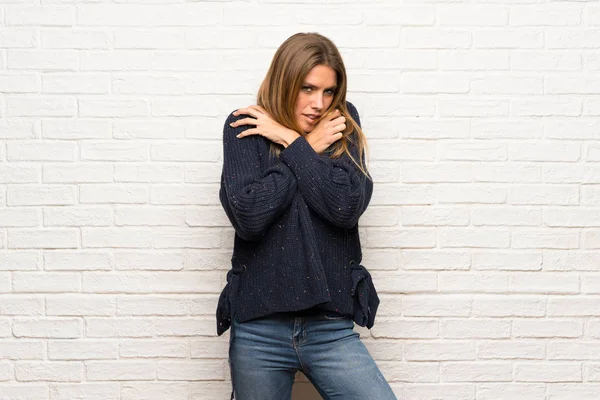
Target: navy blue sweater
[[296, 230]]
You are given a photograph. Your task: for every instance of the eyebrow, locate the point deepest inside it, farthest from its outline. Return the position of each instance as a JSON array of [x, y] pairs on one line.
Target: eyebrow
[[310, 85]]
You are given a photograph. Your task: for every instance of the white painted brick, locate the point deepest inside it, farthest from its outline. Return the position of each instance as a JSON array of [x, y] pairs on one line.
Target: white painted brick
[[426, 129], [211, 217], [497, 216], [75, 83], [543, 195], [475, 328], [18, 128], [149, 129], [409, 15], [79, 173], [400, 238], [116, 237], [510, 349], [157, 282], [470, 237], [36, 282], [148, 15], [404, 283], [508, 306], [590, 239], [507, 85], [390, 59], [18, 37], [19, 217], [434, 82], [75, 38], [548, 372], [41, 151], [407, 106], [160, 391], [557, 106], [152, 305], [190, 370], [475, 372], [89, 391], [20, 261], [164, 348], [571, 218], [434, 216], [204, 304], [222, 37], [564, 260], [581, 391], [546, 15], [114, 107], [53, 60], [568, 38], [157, 38], [151, 260], [465, 282], [548, 328], [514, 391], [41, 106], [437, 306], [40, 15], [19, 83], [573, 306], [435, 38], [114, 151], [113, 193], [439, 351], [120, 370], [51, 238], [440, 391], [463, 193], [82, 349], [545, 238], [149, 216], [584, 128], [118, 327], [418, 328], [380, 171], [20, 173], [117, 60], [401, 150], [186, 327], [184, 107], [5, 329], [189, 194], [76, 129], [79, 305], [403, 195], [514, 38], [529, 60], [592, 152], [419, 372], [150, 173], [54, 371], [468, 60], [204, 151], [77, 260], [56, 328], [77, 216], [471, 15], [21, 350], [460, 107]]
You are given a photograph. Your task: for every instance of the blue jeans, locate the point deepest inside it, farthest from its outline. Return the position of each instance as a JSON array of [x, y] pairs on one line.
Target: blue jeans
[[265, 353]]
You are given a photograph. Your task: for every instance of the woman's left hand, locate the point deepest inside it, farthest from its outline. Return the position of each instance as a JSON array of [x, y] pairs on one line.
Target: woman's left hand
[[265, 126]]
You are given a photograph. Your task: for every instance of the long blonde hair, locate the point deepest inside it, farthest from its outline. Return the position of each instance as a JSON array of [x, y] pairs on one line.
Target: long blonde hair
[[278, 92]]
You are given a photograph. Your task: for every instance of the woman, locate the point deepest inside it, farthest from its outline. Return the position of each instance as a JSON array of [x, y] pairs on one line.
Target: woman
[[294, 185]]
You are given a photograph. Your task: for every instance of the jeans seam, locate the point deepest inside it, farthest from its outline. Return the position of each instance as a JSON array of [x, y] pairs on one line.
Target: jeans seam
[[296, 346]]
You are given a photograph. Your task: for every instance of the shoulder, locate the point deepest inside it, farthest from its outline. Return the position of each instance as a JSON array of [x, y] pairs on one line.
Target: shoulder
[[230, 133], [353, 112]]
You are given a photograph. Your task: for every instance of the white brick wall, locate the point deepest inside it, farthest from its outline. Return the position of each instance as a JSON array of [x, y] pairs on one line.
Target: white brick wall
[[483, 234]]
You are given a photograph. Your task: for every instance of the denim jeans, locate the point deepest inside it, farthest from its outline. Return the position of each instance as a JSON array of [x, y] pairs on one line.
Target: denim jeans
[[265, 353]]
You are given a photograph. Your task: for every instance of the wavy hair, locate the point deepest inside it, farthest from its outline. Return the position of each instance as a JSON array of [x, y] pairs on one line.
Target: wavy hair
[[279, 90]]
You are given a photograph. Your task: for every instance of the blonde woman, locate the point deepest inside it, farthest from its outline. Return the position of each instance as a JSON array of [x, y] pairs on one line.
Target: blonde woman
[[294, 185]]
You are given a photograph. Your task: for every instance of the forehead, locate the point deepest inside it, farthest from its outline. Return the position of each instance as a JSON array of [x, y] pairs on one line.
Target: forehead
[[321, 76]]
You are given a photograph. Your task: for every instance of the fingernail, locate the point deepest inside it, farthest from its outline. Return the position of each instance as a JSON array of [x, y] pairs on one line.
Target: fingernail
[[238, 135], [231, 124]]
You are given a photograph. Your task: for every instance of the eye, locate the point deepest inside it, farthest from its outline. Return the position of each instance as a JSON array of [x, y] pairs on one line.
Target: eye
[[306, 88], [330, 91]]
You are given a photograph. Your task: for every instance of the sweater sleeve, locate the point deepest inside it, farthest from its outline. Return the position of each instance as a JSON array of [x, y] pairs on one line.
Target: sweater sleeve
[[252, 198], [336, 189]]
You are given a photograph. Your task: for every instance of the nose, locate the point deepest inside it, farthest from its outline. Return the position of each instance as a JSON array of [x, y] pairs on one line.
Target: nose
[[317, 101]]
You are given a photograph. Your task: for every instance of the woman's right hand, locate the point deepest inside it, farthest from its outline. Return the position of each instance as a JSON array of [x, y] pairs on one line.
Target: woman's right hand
[[328, 131]]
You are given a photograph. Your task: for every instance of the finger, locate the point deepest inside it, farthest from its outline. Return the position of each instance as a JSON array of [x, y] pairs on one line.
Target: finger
[[339, 128], [245, 111], [247, 132], [336, 137], [244, 121]]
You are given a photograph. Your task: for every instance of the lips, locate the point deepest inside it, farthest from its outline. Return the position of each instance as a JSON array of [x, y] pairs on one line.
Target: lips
[[312, 117]]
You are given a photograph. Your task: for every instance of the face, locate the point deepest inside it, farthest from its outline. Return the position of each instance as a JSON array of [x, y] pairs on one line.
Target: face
[[315, 96]]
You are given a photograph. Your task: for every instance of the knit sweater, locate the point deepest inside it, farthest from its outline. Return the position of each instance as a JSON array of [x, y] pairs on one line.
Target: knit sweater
[[295, 217]]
